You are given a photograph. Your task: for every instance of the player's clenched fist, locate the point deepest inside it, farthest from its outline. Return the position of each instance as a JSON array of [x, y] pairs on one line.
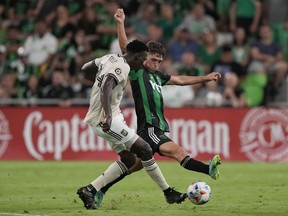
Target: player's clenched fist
[[214, 76], [119, 15]]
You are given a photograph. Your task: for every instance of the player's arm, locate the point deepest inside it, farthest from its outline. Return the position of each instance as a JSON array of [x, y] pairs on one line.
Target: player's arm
[[120, 18], [106, 97], [90, 70], [191, 80]]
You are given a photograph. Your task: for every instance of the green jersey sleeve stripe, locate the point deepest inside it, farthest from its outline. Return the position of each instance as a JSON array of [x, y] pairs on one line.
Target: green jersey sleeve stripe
[[145, 98], [158, 104]]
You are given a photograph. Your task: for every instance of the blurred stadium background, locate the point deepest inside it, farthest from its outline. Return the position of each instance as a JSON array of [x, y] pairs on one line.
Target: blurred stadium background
[[45, 43], [44, 96]]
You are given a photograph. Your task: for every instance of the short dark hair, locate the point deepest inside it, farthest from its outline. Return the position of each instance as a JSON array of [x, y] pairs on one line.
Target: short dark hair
[[156, 47], [136, 46]]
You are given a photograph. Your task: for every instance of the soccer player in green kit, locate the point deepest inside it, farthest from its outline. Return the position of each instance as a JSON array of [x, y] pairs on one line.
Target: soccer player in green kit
[[146, 86]]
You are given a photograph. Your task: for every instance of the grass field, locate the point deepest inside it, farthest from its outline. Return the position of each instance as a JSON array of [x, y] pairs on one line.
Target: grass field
[[49, 188]]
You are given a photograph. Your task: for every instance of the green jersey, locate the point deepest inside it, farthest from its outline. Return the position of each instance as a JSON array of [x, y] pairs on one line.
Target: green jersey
[[147, 94], [245, 9]]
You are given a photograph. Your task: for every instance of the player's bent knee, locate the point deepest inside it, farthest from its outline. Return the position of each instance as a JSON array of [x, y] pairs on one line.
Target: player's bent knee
[[127, 158], [129, 162], [146, 153], [142, 149]]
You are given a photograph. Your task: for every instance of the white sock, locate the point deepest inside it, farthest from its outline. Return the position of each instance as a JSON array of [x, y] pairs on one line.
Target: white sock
[[110, 174], [155, 173]]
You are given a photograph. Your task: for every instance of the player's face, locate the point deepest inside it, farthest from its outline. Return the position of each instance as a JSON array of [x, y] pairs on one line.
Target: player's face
[[153, 61]]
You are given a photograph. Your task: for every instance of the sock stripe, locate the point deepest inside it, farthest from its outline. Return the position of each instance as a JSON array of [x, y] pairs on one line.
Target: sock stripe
[[155, 173], [184, 161], [122, 167], [149, 162], [152, 135]]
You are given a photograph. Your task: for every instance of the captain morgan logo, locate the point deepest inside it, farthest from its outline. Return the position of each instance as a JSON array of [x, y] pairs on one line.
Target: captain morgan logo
[[5, 136], [264, 135]]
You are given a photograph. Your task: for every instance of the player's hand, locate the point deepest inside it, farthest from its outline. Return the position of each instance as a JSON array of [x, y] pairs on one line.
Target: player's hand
[[214, 76], [119, 16], [106, 124]]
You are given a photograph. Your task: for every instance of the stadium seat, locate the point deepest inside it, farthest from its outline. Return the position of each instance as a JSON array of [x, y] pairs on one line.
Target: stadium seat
[[254, 87]]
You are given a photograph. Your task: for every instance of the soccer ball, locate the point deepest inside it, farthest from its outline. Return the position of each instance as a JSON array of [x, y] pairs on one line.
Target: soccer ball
[[199, 192]]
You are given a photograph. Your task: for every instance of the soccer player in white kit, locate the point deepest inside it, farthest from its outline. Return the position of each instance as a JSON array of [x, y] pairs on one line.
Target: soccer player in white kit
[[105, 118]]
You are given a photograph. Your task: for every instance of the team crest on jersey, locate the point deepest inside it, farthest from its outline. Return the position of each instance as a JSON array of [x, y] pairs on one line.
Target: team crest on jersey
[[124, 132], [118, 71]]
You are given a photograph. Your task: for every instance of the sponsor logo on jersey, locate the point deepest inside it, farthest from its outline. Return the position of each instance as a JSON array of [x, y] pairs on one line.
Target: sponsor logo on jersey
[[264, 135]]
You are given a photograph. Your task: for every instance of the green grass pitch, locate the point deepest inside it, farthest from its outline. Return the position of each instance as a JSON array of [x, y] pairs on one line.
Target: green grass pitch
[[49, 188]]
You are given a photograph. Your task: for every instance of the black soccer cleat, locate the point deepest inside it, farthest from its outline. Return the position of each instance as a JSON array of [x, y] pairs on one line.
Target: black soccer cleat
[[87, 197], [173, 196]]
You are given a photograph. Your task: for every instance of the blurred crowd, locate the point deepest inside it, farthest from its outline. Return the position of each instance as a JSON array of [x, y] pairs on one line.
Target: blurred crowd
[[43, 45]]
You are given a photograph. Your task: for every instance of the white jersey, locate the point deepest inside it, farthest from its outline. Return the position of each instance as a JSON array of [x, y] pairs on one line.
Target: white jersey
[[116, 66]]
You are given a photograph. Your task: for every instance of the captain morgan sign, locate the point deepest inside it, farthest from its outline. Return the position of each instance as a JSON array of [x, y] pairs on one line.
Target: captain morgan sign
[[264, 135], [48, 133]]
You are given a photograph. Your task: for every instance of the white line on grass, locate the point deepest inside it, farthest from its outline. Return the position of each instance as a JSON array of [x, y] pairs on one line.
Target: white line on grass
[[16, 214]]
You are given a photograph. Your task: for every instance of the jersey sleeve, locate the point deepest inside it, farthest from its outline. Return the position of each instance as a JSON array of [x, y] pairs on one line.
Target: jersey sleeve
[[119, 71], [97, 61], [163, 77]]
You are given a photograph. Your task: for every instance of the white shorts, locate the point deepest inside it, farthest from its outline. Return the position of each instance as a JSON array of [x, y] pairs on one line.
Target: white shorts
[[120, 137]]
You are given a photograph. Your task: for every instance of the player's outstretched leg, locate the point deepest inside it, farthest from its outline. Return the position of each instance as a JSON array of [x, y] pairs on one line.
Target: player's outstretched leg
[[99, 196], [144, 152], [114, 173], [87, 198], [213, 164]]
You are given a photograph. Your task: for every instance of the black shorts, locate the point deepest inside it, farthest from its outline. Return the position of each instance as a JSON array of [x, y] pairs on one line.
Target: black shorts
[[154, 137]]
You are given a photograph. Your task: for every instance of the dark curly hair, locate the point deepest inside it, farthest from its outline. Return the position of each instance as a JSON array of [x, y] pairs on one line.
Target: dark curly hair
[[136, 46], [156, 47]]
